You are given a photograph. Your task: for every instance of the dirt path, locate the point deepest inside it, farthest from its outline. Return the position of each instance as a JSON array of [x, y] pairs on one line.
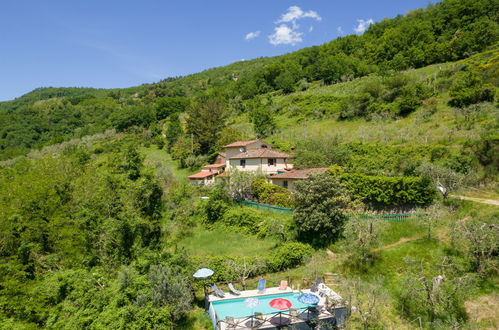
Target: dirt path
[[478, 200], [331, 254], [483, 310], [400, 241]]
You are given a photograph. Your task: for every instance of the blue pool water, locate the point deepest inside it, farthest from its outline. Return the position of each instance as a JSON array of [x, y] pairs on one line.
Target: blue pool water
[[237, 309]]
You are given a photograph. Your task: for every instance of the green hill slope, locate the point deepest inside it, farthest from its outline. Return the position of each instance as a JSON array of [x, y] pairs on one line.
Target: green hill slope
[[446, 31]]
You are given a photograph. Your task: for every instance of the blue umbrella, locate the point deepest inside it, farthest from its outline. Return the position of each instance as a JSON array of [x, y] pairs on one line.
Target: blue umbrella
[[203, 273], [308, 298]]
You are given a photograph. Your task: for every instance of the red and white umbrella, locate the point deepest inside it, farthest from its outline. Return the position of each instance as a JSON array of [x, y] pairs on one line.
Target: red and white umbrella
[[280, 303]]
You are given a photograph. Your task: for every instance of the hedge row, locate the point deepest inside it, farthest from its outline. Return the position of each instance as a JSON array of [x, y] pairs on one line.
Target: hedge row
[[390, 190], [284, 256]]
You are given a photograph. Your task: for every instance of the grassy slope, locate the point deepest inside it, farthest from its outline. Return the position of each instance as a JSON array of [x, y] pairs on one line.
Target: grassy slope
[[413, 129], [219, 242], [314, 112], [153, 155]]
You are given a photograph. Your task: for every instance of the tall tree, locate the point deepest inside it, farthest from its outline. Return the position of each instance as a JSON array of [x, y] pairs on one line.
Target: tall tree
[[322, 202], [206, 118], [173, 131], [261, 116]]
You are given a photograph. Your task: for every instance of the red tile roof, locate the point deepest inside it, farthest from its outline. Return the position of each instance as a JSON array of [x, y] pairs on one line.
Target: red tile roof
[[240, 143], [201, 175], [262, 153], [298, 174], [214, 166]]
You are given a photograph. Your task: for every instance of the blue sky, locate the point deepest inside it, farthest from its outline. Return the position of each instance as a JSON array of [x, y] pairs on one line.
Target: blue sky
[[111, 43]]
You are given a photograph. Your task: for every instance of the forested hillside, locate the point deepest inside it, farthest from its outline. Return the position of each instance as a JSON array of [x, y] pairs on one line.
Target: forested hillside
[[100, 229], [443, 32]]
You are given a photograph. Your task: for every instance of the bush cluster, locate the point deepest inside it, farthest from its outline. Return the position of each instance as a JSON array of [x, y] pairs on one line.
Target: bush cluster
[[269, 193], [393, 96], [282, 257]]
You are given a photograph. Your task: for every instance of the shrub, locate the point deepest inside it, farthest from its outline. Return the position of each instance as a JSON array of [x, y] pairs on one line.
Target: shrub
[[467, 89], [288, 255], [487, 151], [284, 256], [244, 219], [215, 210], [269, 193]]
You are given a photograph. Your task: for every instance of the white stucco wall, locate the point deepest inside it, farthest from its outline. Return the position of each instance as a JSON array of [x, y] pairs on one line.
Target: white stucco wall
[[280, 182], [256, 164], [237, 150]]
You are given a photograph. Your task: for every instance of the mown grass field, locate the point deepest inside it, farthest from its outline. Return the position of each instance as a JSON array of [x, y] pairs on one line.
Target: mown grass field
[[220, 241]]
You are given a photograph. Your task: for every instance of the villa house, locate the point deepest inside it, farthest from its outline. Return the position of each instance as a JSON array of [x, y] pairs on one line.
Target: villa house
[[252, 155], [256, 155], [288, 177]]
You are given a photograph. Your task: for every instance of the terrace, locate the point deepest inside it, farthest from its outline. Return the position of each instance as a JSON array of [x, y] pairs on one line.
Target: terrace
[[230, 312]]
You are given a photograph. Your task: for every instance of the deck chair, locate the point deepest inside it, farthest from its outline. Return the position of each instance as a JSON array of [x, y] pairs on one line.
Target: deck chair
[[219, 293], [315, 286], [231, 323], [324, 291], [261, 286], [284, 285], [233, 290]]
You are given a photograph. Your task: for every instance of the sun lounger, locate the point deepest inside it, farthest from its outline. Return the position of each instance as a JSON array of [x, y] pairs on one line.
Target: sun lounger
[[261, 286], [315, 286], [324, 291], [284, 285], [233, 290], [219, 293]]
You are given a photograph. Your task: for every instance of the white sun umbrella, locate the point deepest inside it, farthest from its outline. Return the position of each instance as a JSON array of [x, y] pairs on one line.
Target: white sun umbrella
[[252, 303], [203, 273]]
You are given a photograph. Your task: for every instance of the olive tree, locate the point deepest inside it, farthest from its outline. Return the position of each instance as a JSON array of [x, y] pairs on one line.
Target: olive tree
[[170, 287], [364, 302], [434, 292], [479, 241], [238, 184], [360, 239], [245, 268]]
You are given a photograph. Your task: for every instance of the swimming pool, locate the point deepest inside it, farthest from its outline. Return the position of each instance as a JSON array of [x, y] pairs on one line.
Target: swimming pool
[[237, 309]]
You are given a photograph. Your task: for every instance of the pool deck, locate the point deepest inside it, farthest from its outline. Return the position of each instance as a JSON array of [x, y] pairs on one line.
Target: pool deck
[[251, 293], [273, 322]]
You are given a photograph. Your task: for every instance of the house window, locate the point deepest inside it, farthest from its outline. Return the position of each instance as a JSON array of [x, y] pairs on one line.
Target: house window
[[272, 161], [285, 184], [242, 162]]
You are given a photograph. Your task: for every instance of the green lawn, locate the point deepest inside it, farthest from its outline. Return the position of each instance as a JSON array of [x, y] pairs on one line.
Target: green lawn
[[219, 241]]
